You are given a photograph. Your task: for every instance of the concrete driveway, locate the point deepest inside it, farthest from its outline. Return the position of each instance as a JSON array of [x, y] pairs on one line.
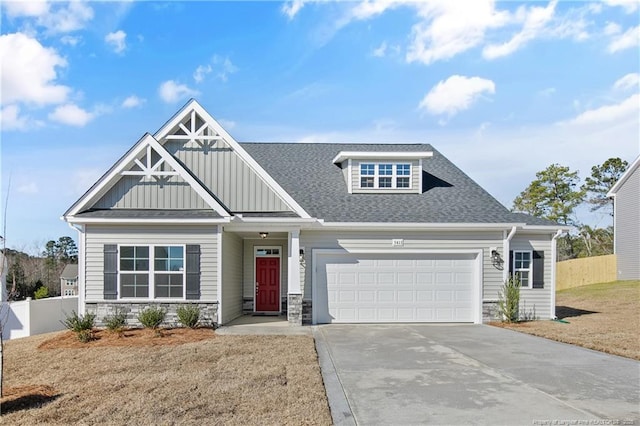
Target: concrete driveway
[[470, 374]]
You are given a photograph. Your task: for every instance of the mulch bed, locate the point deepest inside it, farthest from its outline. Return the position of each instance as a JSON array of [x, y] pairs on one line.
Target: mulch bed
[[134, 337]]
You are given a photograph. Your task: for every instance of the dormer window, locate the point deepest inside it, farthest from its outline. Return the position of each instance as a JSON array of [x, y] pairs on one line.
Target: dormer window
[[382, 172], [385, 175]]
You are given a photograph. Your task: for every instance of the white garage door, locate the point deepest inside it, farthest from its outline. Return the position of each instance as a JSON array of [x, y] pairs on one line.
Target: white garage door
[[369, 288]]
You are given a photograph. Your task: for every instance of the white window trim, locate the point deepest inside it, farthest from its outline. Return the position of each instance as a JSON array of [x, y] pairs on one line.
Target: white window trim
[[529, 270], [151, 272], [394, 175]]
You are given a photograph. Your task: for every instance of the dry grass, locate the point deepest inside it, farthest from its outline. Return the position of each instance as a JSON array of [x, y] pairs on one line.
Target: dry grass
[[243, 380], [603, 317]]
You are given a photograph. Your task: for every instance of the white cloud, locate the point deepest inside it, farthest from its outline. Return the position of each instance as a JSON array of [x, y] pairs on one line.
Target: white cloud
[[71, 115], [448, 29], [32, 8], [71, 16], [171, 92], [628, 108], [132, 102], [200, 72], [380, 51], [370, 8], [291, 8], [455, 94], [117, 40], [629, 6], [70, 40], [534, 23], [29, 71], [28, 188], [226, 67], [631, 38], [612, 28], [629, 81], [227, 124], [10, 118]]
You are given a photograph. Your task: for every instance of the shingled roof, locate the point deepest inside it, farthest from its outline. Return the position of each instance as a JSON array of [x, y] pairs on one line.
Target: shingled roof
[[307, 173]]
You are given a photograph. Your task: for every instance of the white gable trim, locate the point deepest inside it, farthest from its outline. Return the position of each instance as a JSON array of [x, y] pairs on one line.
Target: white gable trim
[[379, 155], [107, 181], [193, 105], [614, 190]]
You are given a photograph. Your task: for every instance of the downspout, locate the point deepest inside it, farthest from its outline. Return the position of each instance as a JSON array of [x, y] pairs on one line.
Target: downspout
[[554, 256], [505, 250], [81, 263]]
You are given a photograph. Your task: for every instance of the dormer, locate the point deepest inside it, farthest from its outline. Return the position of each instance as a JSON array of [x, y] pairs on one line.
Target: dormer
[[369, 172]]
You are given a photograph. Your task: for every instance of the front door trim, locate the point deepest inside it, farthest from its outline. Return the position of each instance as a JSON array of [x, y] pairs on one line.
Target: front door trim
[[258, 252]]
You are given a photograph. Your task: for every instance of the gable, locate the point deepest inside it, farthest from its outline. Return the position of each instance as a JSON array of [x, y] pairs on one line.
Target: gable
[[147, 176], [222, 165]]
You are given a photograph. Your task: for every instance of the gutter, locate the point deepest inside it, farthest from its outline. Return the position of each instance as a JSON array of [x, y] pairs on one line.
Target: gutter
[[505, 251], [554, 256]]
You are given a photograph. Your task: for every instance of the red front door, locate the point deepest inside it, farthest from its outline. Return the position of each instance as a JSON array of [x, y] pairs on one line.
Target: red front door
[[267, 284]]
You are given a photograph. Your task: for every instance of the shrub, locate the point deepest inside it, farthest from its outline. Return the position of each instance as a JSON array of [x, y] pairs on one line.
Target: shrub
[[509, 300], [116, 322], [81, 325], [152, 317], [41, 293], [188, 315]]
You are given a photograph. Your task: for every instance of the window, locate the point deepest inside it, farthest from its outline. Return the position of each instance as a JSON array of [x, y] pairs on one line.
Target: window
[[522, 267], [160, 276], [385, 175]]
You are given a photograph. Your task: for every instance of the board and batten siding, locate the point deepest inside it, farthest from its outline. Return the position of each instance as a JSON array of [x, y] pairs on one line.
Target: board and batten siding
[[139, 192], [228, 176], [415, 177], [536, 302], [627, 227], [371, 240], [250, 264], [231, 298], [97, 236]]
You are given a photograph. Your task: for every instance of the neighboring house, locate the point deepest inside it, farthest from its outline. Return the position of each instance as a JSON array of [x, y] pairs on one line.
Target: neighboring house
[[626, 222], [323, 232], [69, 280]]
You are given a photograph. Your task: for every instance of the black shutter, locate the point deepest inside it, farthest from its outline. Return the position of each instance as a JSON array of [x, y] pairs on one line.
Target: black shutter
[[538, 269], [110, 290], [510, 270], [193, 271]]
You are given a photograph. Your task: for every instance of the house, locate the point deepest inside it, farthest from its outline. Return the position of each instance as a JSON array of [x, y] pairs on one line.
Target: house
[[322, 232], [626, 222], [69, 280]]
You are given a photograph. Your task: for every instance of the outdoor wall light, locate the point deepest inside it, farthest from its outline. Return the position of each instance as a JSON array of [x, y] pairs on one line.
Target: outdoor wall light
[[496, 259], [264, 235], [301, 255]]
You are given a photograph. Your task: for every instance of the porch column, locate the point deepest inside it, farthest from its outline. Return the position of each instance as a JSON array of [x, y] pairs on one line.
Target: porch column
[[294, 293]]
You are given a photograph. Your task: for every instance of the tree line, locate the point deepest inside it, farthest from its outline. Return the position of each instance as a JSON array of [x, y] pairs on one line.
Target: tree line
[[39, 275], [557, 192]]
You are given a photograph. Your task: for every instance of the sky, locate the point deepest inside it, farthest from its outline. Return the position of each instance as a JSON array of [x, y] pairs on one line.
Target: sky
[[503, 89]]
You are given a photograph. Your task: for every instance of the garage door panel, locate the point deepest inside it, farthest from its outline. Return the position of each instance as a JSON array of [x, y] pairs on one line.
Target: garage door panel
[[396, 288]]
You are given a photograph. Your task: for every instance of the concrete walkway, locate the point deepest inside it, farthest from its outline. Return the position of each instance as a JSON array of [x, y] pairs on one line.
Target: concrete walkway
[[261, 325], [470, 374]]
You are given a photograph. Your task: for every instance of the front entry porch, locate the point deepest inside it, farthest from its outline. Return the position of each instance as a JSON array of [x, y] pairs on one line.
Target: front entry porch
[[262, 325], [259, 274]]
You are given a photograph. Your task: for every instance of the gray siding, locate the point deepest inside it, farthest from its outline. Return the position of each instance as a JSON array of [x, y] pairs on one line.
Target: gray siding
[[627, 228], [227, 176], [231, 300], [250, 264], [492, 277], [98, 235], [138, 192], [415, 177], [536, 301]]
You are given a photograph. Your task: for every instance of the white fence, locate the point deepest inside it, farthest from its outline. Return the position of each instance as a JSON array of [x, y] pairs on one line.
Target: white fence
[[31, 317]]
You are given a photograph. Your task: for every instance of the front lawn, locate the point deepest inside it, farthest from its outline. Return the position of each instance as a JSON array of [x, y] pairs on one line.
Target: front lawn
[[237, 380], [604, 317]]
